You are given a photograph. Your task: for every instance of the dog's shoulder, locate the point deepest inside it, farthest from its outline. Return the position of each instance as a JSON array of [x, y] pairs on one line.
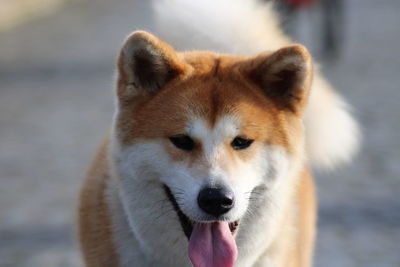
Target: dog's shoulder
[[94, 214]]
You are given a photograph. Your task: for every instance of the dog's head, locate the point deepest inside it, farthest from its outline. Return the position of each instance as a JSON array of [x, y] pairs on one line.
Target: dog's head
[[210, 129]]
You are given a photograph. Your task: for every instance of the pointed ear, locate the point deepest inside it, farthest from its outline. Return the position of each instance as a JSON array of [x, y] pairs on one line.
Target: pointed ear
[[285, 76], [146, 64]]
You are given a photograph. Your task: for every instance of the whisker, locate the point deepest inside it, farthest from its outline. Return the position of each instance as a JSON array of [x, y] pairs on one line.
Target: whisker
[[164, 213]]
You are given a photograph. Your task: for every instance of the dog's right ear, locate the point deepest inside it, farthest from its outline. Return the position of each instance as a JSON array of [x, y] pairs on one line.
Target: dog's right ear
[[146, 64]]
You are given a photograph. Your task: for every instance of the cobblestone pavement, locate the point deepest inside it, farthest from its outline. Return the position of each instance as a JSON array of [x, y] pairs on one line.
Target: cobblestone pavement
[[56, 103]]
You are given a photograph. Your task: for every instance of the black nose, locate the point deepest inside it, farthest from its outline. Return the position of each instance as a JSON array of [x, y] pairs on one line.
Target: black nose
[[215, 201]]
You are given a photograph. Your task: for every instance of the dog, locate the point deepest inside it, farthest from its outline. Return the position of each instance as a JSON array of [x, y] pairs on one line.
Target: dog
[[208, 161]]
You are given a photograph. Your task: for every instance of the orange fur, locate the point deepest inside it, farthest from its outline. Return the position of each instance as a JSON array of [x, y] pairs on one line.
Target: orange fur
[[94, 215], [216, 85], [307, 218]]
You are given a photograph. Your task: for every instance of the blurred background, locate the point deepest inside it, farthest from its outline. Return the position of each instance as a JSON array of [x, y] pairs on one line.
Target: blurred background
[[56, 78]]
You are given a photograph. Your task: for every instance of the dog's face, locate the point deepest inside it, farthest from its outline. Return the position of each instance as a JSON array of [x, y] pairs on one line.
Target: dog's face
[[210, 129]]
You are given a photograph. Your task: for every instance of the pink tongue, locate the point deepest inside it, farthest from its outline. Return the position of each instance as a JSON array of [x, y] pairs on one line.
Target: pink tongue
[[212, 245]]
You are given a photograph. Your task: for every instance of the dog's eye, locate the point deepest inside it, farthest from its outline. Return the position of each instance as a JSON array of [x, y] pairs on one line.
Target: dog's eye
[[182, 141], [241, 143]]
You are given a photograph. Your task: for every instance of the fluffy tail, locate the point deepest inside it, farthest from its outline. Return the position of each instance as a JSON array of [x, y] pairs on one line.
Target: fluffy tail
[[247, 27]]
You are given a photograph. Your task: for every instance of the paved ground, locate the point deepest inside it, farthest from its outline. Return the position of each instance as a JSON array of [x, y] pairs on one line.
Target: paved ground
[[55, 104]]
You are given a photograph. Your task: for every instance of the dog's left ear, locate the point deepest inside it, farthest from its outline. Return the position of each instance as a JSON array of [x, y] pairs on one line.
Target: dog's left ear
[[145, 64], [285, 76]]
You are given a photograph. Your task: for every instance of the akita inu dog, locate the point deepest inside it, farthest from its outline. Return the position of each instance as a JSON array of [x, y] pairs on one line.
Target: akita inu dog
[[208, 159]]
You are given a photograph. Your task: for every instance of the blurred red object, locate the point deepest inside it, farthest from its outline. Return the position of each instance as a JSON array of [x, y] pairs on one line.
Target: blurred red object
[[299, 3]]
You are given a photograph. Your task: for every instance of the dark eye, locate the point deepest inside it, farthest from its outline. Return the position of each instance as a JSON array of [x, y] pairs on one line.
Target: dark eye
[[241, 143], [182, 141]]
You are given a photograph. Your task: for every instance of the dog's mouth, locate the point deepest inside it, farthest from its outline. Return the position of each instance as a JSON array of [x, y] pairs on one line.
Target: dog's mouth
[[186, 223], [210, 244]]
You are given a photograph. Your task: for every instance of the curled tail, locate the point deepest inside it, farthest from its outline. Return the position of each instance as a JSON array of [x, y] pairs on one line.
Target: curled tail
[[247, 27]]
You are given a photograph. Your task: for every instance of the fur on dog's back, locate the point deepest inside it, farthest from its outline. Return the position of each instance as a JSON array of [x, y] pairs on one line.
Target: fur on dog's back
[[248, 27]]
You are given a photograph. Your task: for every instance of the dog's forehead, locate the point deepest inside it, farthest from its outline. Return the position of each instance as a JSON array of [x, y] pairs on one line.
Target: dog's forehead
[[226, 126], [223, 107]]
